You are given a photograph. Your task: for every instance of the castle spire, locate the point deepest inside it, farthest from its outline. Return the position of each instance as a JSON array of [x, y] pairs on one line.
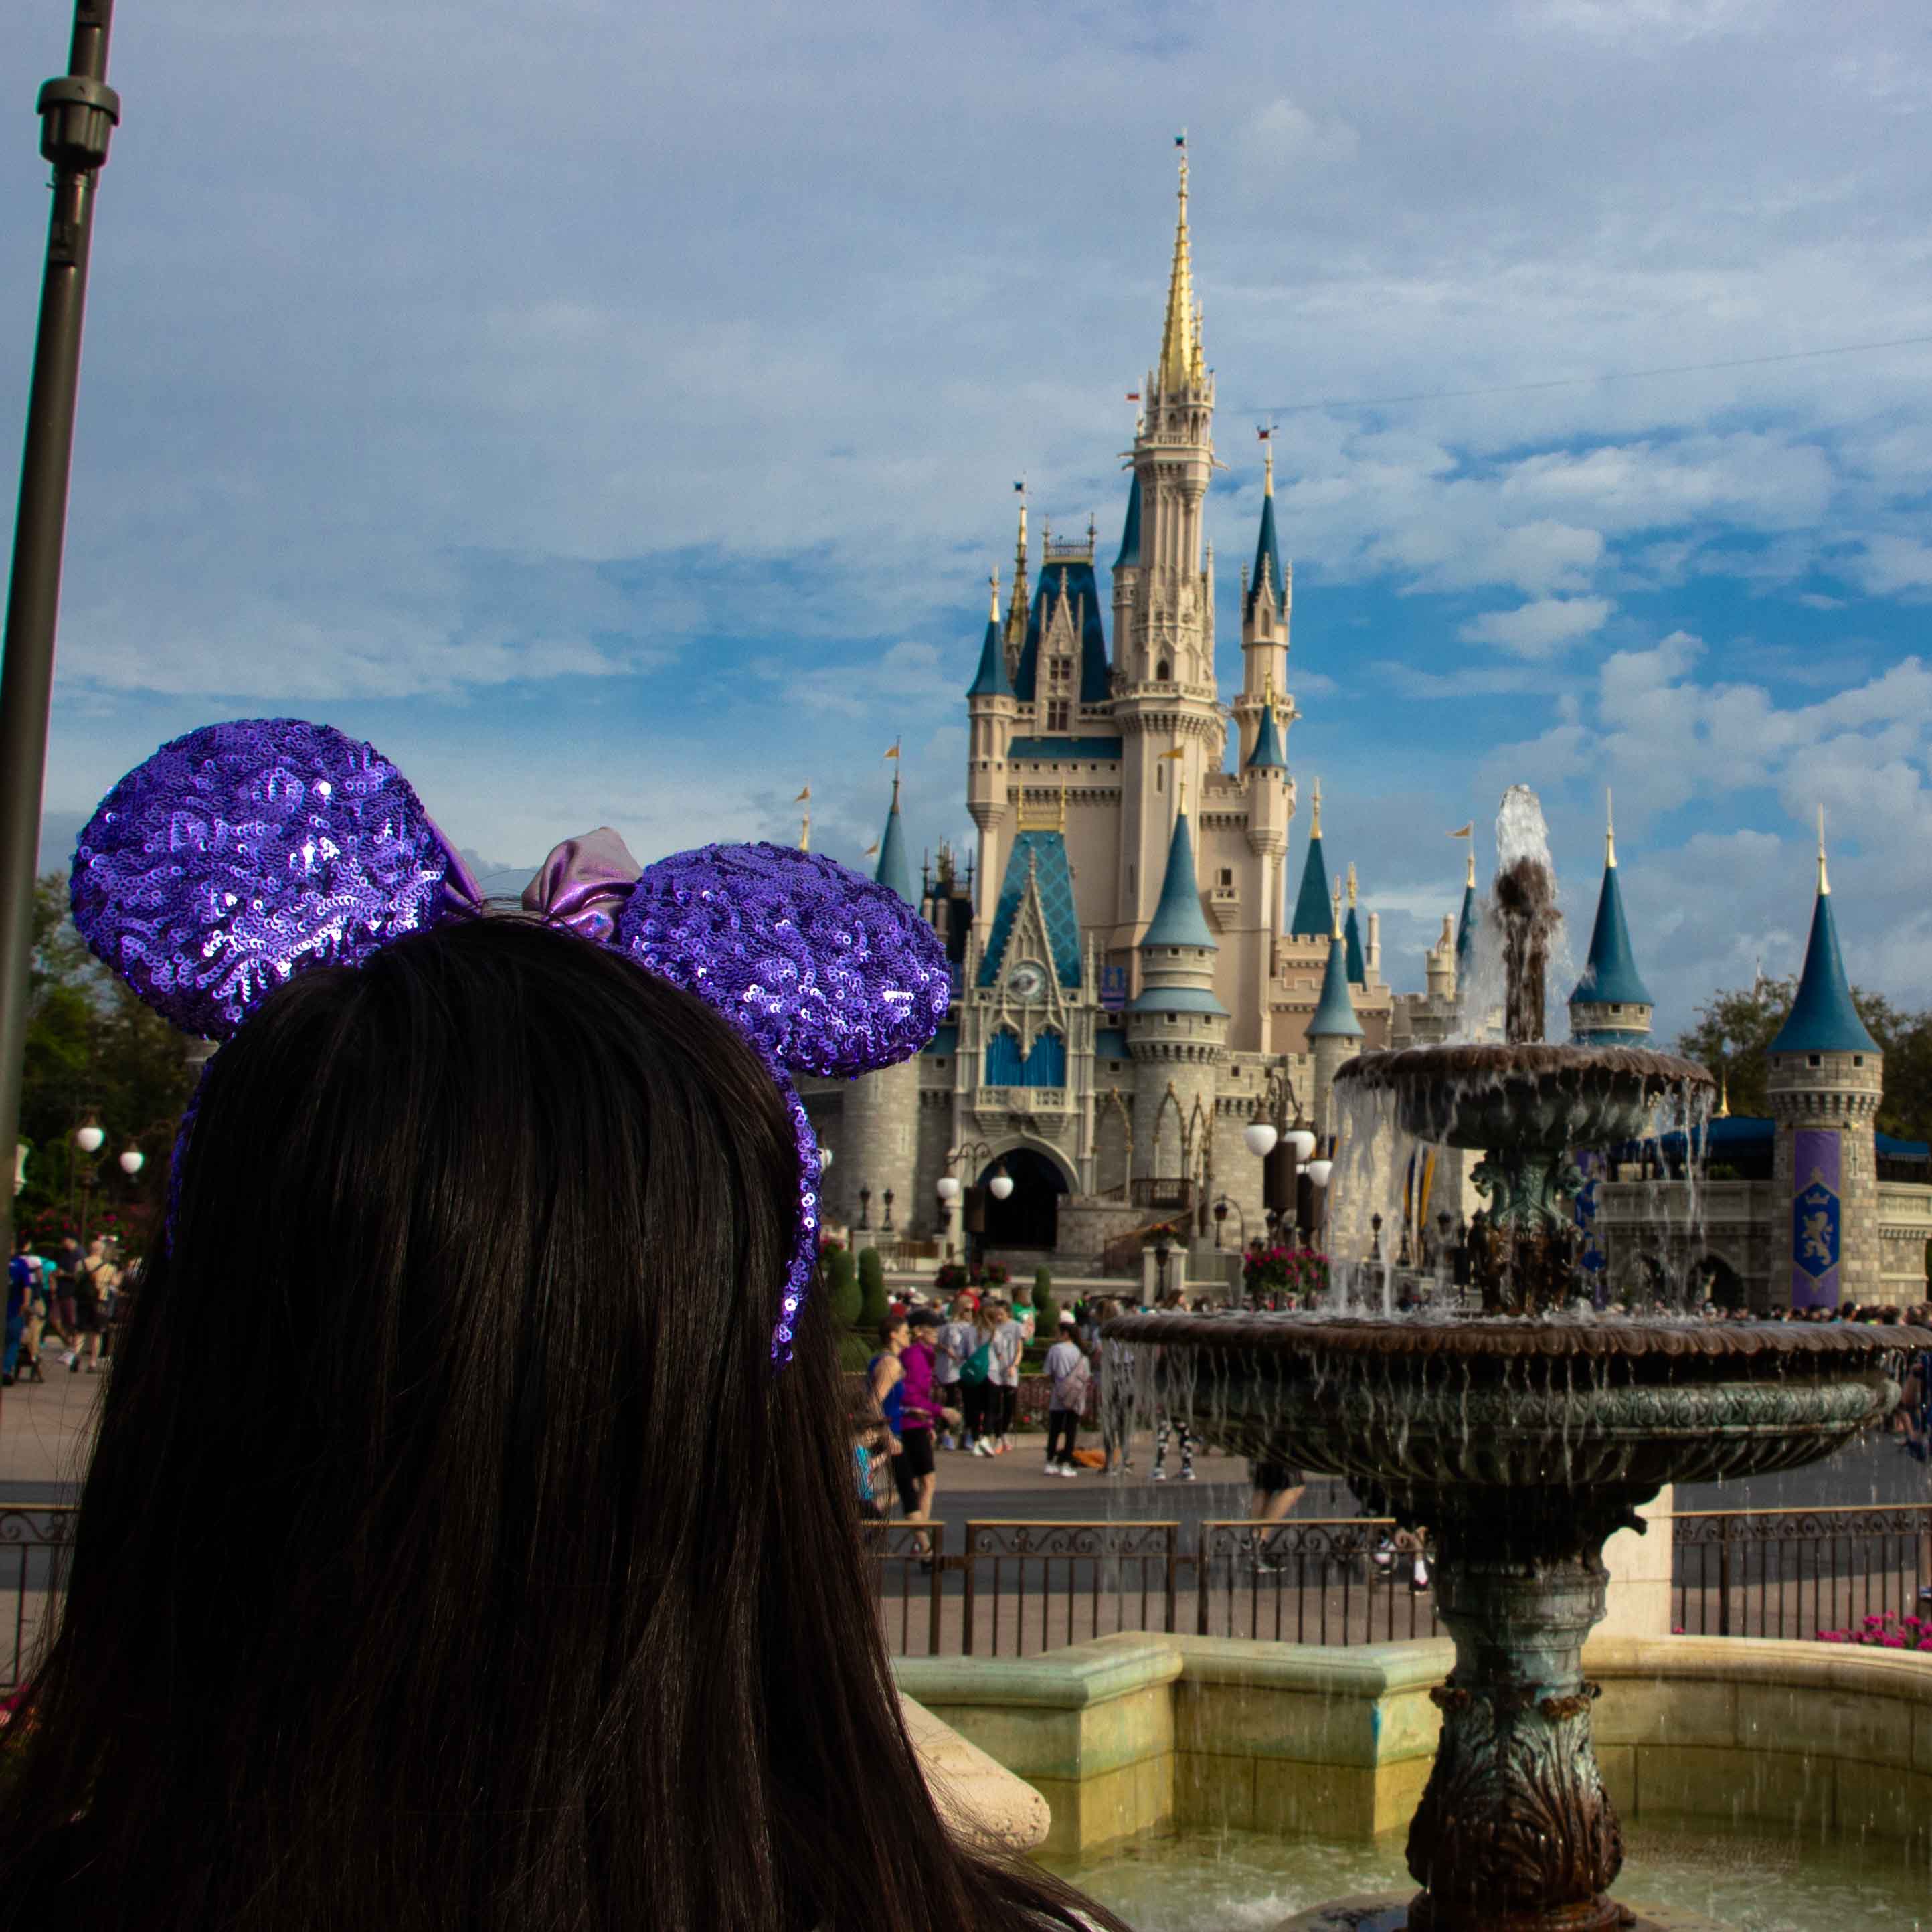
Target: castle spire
[[895, 866], [992, 680], [1178, 919], [1822, 1018], [1334, 1016], [1016, 610], [1610, 833], [1351, 934], [1267, 755], [1611, 1006], [1130, 557], [1311, 905], [1267, 551], [1181, 364]]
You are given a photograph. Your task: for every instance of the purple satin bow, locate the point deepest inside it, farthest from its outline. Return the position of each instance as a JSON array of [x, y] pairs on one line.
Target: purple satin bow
[[583, 884]]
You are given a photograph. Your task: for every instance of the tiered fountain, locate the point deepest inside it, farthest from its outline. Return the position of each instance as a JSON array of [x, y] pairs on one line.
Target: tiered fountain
[[1521, 1438]]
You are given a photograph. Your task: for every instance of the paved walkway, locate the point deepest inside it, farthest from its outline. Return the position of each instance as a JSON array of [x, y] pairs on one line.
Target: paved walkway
[[47, 1432]]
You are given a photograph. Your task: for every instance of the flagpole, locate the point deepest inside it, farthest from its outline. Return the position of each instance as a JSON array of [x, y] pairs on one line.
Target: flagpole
[[78, 114]]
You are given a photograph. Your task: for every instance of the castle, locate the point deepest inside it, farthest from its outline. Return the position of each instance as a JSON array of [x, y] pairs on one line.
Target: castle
[[1133, 987]]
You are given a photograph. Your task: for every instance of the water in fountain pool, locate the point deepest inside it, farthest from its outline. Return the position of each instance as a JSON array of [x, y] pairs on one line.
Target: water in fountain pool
[[1218, 1881]]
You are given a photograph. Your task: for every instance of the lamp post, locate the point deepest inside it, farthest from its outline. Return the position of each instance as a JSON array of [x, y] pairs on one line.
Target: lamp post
[[949, 1189], [1221, 1207], [78, 113], [865, 1206], [1279, 1137]]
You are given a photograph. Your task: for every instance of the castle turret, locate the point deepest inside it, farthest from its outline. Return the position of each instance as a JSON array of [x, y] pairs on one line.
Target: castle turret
[[1826, 1077], [1311, 919], [1466, 926], [992, 711], [879, 1141], [1265, 594], [1611, 1006], [1334, 1033], [1176, 1028], [1351, 934], [1439, 963]]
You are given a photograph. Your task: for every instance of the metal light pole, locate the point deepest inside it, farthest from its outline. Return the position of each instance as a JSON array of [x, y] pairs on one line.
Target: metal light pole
[[78, 114]]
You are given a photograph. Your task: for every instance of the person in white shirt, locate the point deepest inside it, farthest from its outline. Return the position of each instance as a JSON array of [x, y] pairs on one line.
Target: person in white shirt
[[1008, 1339], [1073, 1377], [952, 1344]]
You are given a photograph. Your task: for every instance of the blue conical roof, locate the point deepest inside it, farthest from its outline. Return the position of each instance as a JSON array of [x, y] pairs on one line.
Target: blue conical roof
[[1610, 975], [992, 680], [1823, 1018], [1267, 556], [1466, 928], [1335, 1015], [1351, 934], [1267, 754], [1178, 919], [894, 867], [1130, 557], [1312, 917]]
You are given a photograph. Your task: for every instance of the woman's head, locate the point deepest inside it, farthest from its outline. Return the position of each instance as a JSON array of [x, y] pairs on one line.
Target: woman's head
[[450, 1535]]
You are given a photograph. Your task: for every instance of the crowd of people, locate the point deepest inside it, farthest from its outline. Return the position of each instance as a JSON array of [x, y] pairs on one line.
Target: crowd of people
[[78, 1296]]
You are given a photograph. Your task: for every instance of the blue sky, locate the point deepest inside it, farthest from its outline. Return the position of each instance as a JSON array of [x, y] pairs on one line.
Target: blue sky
[[613, 413]]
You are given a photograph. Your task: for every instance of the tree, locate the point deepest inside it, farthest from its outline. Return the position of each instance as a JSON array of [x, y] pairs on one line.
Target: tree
[[91, 1045], [841, 1274], [872, 1305]]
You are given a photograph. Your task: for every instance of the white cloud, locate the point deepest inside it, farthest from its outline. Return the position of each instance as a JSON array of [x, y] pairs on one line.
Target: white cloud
[[1536, 630]]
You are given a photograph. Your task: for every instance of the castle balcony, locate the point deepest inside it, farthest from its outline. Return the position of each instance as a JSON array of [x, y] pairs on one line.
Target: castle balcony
[[1666, 1205], [1023, 1102]]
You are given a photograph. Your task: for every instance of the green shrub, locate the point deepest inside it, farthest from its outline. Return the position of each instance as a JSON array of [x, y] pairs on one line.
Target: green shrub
[[842, 1277], [873, 1308], [1046, 1309]]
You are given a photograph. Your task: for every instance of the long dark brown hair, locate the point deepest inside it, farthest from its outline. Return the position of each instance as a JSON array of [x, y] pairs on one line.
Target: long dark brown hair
[[452, 1558]]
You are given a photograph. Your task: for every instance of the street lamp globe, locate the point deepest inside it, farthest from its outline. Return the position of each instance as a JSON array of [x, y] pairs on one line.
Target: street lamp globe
[[132, 1162], [947, 1188], [1001, 1184], [1301, 1143], [1318, 1172], [1260, 1137], [88, 1138], [824, 1159]]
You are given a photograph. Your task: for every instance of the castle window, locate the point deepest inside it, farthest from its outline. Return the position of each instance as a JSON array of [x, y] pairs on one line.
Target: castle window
[[1056, 714], [1160, 777], [1857, 1060], [1004, 1066], [1130, 882], [1162, 671], [1816, 1060], [1227, 875]]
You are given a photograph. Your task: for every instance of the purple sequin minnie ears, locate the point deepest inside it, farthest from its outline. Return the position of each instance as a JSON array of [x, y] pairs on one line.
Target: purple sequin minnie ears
[[243, 853]]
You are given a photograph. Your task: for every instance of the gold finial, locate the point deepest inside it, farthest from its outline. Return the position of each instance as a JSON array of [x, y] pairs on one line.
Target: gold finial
[[1180, 364], [1181, 794], [1724, 1112], [1469, 878], [1824, 882], [993, 585], [1351, 882], [1314, 816], [1267, 470], [1338, 932], [1609, 830]]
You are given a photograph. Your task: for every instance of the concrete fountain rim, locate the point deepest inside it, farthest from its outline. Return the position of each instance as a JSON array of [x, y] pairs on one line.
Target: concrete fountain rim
[[1539, 1059], [1312, 1333]]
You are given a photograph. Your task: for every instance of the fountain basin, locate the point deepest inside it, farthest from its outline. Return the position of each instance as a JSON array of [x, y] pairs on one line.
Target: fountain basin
[[1494, 1094]]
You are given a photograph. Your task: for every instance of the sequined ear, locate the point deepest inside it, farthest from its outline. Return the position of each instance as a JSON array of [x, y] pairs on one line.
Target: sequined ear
[[242, 852], [828, 972]]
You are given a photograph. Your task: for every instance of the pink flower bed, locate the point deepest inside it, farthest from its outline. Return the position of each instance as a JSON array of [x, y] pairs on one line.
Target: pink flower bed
[[1885, 1632]]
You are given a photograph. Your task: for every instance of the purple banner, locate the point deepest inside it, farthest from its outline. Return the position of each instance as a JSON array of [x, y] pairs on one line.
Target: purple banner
[[1815, 1177]]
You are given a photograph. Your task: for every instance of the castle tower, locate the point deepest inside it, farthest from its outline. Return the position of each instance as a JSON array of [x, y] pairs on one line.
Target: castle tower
[[1826, 1075], [879, 1142], [1466, 926], [1176, 1028], [1611, 1006], [1165, 703], [1334, 1034], [1265, 596], [1439, 963], [992, 711]]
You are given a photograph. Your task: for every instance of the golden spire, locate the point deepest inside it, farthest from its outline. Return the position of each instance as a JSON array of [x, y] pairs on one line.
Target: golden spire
[[1016, 604], [1824, 883], [993, 584], [1180, 365], [1609, 830], [1339, 934], [1724, 1112], [1469, 878], [1315, 817], [1351, 883], [1267, 469]]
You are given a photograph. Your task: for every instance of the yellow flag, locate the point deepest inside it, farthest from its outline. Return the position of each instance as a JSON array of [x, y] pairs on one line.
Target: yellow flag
[[803, 796], [872, 850], [1179, 751], [1466, 831], [895, 751]]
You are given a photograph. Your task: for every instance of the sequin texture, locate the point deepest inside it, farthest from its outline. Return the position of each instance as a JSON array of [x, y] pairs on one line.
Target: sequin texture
[[829, 973], [243, 852]]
